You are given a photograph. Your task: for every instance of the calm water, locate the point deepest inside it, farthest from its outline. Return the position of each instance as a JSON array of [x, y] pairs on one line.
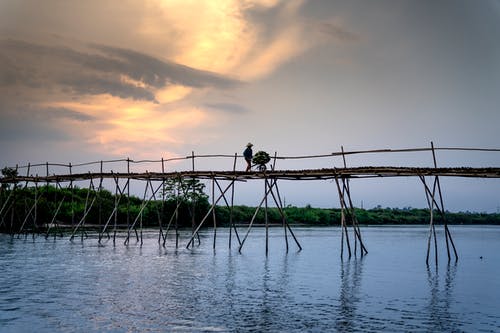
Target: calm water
[[63, 286]]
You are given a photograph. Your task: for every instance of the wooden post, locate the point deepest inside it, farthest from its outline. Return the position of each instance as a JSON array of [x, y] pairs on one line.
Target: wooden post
[[193, 201], [227, 203], [25, 188], [143, 206], [85, 212], [353, 218], [254, 216], [445, 222], [342, 207], [35, 221], [195, 232], [279, 204], [176, 217], [281, 209], [265, 214], [357, 231], [162, 211], [232, 204], [432, 229], [99, 195], [72, 196], [213, 210]]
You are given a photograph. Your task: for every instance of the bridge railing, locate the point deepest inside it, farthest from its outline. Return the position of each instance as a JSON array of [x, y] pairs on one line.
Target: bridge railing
[[203, 162]]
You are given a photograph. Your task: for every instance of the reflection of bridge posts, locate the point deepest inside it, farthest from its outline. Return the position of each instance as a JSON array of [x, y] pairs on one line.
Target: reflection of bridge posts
[[350, 281], [441, 300]]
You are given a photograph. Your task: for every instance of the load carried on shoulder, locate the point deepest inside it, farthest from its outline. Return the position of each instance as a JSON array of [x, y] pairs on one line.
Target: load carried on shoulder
[[260, 159]]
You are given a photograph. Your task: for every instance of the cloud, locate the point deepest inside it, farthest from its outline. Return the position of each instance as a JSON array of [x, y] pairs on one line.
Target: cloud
[[157, 73], [107, 70], [338, 32], [145, 76], [227, 107], [59, 113], [27, 127]]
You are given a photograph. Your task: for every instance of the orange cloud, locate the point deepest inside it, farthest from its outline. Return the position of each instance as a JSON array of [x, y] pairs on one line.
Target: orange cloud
[[217, 35], [134, 128]]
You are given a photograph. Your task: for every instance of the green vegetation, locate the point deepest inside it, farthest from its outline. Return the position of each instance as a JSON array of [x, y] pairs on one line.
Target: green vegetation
[[69, 206], [261, 158]]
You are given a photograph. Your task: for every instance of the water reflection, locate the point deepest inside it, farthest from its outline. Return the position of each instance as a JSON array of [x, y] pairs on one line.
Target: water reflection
[[441, 298], [85, 287], [350, 283]]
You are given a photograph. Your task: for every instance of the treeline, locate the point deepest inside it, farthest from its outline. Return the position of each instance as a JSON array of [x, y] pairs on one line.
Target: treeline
[[30, 208], [376, 216]]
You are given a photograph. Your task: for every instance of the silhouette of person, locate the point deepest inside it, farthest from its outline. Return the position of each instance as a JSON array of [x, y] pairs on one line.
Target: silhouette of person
[[248, 154]]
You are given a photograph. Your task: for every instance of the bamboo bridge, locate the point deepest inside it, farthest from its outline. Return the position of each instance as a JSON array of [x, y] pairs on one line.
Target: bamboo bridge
[[25, 220]]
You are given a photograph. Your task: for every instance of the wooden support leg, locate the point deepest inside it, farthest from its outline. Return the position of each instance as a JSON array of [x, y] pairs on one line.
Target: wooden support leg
[[343, 222]]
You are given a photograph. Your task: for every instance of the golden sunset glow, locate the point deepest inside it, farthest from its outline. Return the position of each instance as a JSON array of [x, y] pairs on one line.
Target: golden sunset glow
[[218, 37], [161, 78], [172, 93], [124, 126]]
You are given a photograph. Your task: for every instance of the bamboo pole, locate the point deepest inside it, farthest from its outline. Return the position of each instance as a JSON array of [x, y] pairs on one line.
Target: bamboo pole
[[160, 236], [25, 219], [193, 201], [157, 211], [35, 220], [86, 210], [72, 197], [448, 237], [343, 197], [143, 206], [53, 223], [82, 220], [99, 193], [253, 218], [354, 220], [344, 225], [128, 194], [176, 220], [114, 213], [25, 198], [432, 230], [279, 204], [175, 215], [213, 211], [195, 232], [265, 214], [357, 230], [230, 208]]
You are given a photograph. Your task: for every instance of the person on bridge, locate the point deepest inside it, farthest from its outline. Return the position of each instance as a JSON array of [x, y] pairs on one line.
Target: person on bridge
[[248, 154]]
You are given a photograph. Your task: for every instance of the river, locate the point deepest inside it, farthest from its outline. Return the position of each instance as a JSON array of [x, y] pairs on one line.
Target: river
[[49, 285]]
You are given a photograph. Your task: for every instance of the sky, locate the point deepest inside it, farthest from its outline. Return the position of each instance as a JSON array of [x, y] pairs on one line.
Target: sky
[[105, 79]]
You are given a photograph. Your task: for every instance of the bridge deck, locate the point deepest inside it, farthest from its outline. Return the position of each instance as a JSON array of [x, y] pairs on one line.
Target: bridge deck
[[306, 174]]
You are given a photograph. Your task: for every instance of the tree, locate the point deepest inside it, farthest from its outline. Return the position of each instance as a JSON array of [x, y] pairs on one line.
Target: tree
[[8, 173], [186, 190]]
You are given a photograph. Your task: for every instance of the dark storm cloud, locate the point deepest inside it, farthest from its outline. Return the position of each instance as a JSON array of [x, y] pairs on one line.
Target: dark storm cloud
[[227, 107], [98, 71]]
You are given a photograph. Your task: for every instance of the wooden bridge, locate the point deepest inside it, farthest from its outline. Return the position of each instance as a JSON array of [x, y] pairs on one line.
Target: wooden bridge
[[17, 179]]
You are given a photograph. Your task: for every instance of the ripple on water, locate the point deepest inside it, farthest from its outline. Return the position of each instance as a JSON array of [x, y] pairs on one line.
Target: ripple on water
[[69, 286]]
